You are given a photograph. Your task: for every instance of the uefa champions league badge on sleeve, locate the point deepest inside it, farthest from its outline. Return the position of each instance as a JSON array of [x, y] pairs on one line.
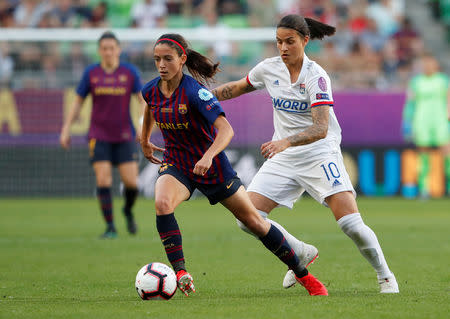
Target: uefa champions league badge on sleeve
[[322, 83], [322, 96], [204, 94]]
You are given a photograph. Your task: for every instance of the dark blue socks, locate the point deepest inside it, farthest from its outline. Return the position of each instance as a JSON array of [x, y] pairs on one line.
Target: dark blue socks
[[104, 197], [170, 235], [130, 195], [277, 244]]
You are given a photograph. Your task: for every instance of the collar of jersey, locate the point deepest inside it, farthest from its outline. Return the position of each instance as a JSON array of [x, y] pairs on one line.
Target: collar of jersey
[[159, 90], [301, 76]]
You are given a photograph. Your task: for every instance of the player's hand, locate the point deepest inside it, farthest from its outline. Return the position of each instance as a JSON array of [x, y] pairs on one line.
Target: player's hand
[[269, 149], [64, 140], [148, 149], [202, 166]]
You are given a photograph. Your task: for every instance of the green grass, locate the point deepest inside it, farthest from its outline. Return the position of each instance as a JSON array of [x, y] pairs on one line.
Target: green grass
[[53, 266]]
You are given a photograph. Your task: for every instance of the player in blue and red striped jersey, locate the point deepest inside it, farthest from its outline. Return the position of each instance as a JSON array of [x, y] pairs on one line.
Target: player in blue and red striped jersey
[[195, 133], [111, 133]]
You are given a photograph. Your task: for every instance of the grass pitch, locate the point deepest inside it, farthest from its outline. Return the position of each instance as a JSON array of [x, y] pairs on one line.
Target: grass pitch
[[53, 266]]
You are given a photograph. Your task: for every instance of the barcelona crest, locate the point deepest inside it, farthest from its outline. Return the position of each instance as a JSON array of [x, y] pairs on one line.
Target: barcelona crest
[[123, 78], [182, 108]]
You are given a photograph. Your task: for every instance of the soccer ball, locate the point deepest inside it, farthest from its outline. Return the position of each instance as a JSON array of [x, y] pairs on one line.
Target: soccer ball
[[156, 281]]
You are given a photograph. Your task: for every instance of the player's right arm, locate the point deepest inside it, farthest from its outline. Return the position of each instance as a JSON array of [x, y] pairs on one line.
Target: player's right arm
[[253, 81], [64, 138], [83, 89], [448, 102], [408, 111], [232, 89], [148, 148]]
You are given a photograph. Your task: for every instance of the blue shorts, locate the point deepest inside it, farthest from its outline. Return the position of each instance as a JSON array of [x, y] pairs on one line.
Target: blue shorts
[[116, 153], [214, 192]]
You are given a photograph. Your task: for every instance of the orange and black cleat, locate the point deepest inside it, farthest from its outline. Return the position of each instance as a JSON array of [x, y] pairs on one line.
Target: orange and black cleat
[[312, 285]]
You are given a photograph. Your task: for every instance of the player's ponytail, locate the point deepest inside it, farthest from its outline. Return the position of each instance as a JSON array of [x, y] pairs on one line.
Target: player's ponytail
[[306, 26], [200, 66]]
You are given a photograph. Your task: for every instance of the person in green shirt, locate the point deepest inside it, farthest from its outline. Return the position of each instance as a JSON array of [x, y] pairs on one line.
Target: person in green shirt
[[426, 118]]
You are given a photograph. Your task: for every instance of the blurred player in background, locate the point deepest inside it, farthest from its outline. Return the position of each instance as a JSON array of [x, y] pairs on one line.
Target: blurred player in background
[[195, 133], [426, 118], [304, 153], [111, 133]]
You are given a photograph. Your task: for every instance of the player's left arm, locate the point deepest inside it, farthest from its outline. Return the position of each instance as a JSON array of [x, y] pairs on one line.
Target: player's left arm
[[149, 148], [224, 135], [142, 104], [318, 130]]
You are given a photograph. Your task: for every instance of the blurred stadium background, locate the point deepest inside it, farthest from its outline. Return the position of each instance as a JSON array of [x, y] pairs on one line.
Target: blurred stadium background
[[45, 46]]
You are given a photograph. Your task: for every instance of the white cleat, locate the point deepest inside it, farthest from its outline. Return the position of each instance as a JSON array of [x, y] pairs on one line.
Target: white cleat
[[388, 285], [307, 257]]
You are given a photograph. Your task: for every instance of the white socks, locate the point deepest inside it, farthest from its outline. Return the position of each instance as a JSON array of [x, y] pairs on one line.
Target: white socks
[[295, 244], [366, 241]]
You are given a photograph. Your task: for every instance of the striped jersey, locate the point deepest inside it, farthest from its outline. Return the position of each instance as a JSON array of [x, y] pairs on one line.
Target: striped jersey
[[186, 121], [292, 102], [111, 94]]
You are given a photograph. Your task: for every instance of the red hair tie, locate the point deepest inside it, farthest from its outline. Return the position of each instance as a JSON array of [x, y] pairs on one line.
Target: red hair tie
[[167, 39]]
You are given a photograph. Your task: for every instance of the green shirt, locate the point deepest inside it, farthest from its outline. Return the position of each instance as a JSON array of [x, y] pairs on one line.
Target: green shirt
[[428, 95]]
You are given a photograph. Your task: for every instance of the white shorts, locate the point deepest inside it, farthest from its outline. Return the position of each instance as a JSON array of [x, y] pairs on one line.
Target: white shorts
[[284, 180]]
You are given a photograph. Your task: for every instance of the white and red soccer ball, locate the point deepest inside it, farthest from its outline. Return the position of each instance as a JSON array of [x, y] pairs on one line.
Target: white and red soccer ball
[[156, 281]]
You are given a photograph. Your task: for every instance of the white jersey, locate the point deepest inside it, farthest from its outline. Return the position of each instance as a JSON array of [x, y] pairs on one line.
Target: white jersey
[[292, 102]]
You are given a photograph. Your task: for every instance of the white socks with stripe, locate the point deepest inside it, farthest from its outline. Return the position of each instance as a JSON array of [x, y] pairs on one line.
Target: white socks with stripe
[[366, 241], [296, 245]]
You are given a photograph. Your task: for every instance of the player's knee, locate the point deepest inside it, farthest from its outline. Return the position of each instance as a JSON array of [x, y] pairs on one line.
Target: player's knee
[[163, 205], [104, 181]]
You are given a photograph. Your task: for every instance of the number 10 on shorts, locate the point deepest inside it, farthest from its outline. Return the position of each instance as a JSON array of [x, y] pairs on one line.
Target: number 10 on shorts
[[331, 169]]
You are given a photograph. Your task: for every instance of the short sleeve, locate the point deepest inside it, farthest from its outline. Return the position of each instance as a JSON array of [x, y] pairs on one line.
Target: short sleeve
[[206, 103], [145, 92], [410, 92], [412, 87], [319, 90], [84, 86], [447, 80], [137, 84], [255, 76]]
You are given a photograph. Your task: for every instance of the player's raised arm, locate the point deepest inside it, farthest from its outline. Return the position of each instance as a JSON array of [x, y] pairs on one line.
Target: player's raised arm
[[224, 135], [232, 89], [64, 138]]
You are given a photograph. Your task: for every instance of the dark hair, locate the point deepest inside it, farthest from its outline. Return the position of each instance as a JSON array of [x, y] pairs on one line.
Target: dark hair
[[200, 66], [306, 26], [108, 35]]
